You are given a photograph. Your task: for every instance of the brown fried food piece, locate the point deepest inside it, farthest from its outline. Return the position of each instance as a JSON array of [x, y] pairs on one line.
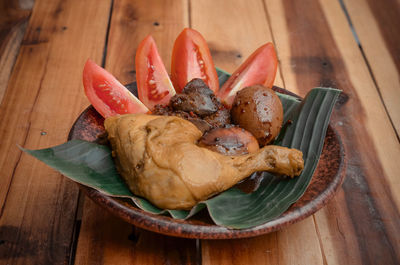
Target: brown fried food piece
[[197, 104], [196, 97], [159, 159]]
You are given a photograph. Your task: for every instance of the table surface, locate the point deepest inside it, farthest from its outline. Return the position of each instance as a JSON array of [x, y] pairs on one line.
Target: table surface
[[43, 46]]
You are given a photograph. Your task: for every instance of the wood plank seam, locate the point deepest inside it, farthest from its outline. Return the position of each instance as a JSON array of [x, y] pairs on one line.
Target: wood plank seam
[[74, 237], [29, 234], [273, 40], [284, 85], [77, 227], [338, 227], [13, 172], [77, 223], [190, 13], [230, 46], [26, 133], [103, 60], [378, 89], [378, 24], [319, 240], [347, 15], [310, 73], [130, 22], [360, 175], [355, 35]]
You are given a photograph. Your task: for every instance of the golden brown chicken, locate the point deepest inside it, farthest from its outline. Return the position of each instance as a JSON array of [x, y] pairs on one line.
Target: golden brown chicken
[[160, 160]]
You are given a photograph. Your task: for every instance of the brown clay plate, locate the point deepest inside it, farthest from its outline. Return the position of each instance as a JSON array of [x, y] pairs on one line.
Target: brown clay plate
[[327, 178]]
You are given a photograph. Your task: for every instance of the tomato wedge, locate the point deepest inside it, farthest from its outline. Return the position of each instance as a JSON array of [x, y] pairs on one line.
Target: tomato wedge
[[154, 85], [107, 95], [191, 58], [259, 69]]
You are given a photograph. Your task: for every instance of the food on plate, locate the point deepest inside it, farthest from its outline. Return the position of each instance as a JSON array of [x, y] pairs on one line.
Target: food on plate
[[259, 69], [229, 141], [107, 95], [188, 150], [258, 110], [153, 83], [197, 104], [219, 119], [159, 159], [191, 59], [196, 97]]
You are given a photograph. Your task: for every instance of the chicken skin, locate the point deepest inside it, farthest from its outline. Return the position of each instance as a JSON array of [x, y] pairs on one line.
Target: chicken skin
[[160, 160]]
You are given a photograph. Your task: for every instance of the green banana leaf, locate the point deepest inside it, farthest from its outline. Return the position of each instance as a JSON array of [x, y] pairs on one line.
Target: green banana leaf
[[92, 165]]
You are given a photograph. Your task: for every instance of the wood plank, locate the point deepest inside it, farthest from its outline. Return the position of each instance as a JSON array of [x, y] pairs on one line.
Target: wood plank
[[13, 22], [43, 97], [237, 35], [241, 32], [377, 25], [361, 226], [132, 22], [337, 233], [103, 238], [296, 244]]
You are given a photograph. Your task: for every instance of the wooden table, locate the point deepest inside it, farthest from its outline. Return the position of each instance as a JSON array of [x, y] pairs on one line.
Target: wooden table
[[45, 220]]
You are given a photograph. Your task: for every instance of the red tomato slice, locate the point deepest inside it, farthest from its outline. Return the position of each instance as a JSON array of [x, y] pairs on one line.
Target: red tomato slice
[[259, 69], [191, 58], [107, 95], [154, 85]]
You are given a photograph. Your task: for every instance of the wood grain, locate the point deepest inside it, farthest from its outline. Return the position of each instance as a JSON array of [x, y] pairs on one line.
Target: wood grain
[[315, 47], [13, 22], [321, 50], [293, 245], [377, 24], [378, 148], [233, 30], [104, 239], [132, 22], [337, 233], [38, 205], [240, 29]]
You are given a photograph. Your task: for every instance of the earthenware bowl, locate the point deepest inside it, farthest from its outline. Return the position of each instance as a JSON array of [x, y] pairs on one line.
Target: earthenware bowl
[[327, 178]]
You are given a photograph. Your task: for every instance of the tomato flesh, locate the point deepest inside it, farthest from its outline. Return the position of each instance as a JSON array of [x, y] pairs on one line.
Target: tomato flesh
[[259, 69], [191, 58], [107, 95], [153, 82]]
